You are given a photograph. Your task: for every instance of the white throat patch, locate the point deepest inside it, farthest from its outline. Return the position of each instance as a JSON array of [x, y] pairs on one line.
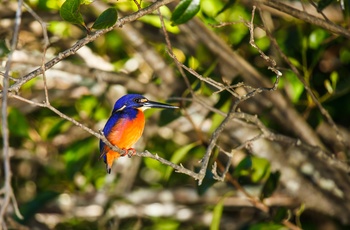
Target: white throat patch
[[143, 108]]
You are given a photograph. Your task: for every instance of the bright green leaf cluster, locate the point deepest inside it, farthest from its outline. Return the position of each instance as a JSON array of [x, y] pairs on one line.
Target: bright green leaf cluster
[[70, 12]]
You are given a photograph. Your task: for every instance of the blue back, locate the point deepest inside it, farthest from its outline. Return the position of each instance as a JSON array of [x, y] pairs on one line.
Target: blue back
[[129, 112]]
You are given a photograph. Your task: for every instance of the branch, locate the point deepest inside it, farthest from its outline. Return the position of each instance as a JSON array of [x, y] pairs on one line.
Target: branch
[[278, 5], [178, 168], [234, 64], [89, 38], [75, 122], [7, 188], [231, 114], [323, 111]]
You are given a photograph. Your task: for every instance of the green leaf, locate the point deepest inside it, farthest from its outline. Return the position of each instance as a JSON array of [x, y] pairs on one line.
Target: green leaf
[[345, 55], [165, 223], [270, 185], [107, 19], [316, 38], [184, 11], [296, 87], [217, 213], [244, 167], [261, 168], [177, 157], [334, 78], [86, 2], [70, 12], [86, 105], [77, 155], [59, 126], [18, 124], [281, 213], [295, 62], [328, 86], [226, 6], [322, 4]]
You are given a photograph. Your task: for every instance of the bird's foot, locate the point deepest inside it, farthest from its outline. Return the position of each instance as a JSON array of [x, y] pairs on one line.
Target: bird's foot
[[130, 152]]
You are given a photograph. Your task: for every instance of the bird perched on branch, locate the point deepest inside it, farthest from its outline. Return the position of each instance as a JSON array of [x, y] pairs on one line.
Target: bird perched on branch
[[125, 125]]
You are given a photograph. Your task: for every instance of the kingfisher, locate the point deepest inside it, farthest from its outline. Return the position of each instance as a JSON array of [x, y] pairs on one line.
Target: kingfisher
[[125, 125]]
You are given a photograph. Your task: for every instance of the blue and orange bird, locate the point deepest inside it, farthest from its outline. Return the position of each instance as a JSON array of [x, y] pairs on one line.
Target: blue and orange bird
[[125, 125]]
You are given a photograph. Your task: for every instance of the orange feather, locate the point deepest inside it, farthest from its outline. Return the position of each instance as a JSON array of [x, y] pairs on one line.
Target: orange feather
[[124, 134]]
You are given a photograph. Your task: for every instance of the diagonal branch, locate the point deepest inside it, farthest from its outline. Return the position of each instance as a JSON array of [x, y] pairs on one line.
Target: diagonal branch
[[278, 5], [89, 38], [178, 168], [323, 111]]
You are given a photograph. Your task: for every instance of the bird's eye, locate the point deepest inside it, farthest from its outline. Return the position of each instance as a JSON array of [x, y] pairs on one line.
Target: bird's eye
[[140, 100]]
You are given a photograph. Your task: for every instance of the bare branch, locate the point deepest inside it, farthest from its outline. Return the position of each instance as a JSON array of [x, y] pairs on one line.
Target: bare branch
[[170, 52], [178, 168], [323, 111], [46, 45], [231, 114], [7, 188], [101, 136], [278, 5], [89, 38]]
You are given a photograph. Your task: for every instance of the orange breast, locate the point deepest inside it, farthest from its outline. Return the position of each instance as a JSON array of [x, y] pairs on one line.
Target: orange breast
[[126, 132]]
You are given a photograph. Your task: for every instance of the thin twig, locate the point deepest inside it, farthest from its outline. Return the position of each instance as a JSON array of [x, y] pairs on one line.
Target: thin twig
[[8, 191], [330, 26], [211, 146], [255, 200], [101, 136], [178, 168], [170, 52], [222, 24], [75, 122], [46, 45], [231, 114], [323, 111], [230, 155], [319, 11], [138, 4], [82, 42]]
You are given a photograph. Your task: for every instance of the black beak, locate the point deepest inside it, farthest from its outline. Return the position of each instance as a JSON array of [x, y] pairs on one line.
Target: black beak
[[153, 104]]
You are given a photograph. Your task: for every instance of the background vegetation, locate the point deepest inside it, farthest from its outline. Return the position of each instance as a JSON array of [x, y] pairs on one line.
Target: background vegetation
[[249, 148]]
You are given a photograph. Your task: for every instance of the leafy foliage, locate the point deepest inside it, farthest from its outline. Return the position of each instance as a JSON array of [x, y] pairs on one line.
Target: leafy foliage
[[70, 12], [57, 175], [184, 11]]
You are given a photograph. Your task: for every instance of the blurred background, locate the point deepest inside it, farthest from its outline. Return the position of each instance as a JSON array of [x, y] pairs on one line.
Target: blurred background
[[59, 181]]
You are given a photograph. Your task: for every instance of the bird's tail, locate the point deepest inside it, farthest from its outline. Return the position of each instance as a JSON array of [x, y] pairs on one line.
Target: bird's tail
[[109, 158]]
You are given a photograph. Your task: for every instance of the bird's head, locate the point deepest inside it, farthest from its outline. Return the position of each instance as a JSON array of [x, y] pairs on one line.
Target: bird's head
[[137, 101]]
